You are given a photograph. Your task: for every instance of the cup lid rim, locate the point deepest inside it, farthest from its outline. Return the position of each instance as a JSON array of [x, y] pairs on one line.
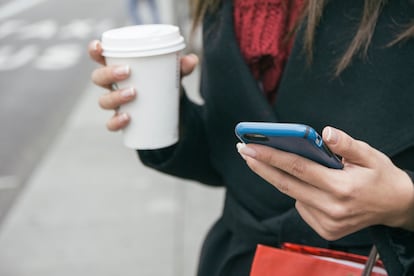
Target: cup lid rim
[[141, 38]]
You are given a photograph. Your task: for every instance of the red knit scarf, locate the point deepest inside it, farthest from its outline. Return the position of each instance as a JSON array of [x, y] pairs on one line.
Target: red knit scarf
[[261, 28]]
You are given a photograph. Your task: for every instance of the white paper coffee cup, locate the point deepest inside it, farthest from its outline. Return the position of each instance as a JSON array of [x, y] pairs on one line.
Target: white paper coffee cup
[[153, 54]]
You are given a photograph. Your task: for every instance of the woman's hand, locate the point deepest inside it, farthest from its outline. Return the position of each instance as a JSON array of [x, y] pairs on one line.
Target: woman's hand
[[106, 76], [369, 190]]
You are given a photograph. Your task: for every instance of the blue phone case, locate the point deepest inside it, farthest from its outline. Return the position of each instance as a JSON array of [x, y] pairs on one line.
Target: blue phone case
[[296, 138]]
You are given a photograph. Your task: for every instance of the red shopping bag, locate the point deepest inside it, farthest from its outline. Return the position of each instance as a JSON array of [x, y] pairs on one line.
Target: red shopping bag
[[298, 260]]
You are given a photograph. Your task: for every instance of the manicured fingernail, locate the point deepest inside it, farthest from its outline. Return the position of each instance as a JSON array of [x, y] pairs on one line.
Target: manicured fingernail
[[239, 146], [121, 71], [123, 117], [128, 92], [332, 135], [244, 150], [194, 57], [96, 45]]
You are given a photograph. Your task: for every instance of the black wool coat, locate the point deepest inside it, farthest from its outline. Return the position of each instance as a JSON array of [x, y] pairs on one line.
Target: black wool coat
[[372, 100]]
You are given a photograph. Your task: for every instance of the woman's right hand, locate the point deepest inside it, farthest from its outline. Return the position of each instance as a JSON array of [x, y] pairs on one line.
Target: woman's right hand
[[106, 76]]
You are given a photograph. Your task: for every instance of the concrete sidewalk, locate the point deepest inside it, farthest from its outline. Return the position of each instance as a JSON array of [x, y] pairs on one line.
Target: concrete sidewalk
[[91, 208]]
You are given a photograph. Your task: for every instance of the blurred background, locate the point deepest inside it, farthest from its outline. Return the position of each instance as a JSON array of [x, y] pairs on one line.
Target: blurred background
[[73, 199]]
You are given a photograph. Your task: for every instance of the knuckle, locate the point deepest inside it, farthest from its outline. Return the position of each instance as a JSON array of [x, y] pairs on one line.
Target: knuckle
[[283, 186], [269, 158], [331, 230], [103, 102], [102, 76], [364, 146], [329, 236], [349, 143], [297, 166], [109, 126], [344, 192], [337, 212], [107, 101], [95, 76], [362, 143], [112, 125]]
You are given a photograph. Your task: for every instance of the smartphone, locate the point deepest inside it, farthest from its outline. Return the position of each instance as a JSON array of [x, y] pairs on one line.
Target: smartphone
[[295, 138]]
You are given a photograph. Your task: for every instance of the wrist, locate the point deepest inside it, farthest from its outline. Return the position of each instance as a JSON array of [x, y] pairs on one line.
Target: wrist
[[406, 218]]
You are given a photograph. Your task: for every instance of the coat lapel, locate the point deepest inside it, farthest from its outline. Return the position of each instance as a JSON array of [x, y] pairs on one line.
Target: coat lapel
[[234, 90]]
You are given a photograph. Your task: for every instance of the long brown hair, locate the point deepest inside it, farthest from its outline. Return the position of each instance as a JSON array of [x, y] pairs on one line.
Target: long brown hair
[[200, 7], [312, 14]]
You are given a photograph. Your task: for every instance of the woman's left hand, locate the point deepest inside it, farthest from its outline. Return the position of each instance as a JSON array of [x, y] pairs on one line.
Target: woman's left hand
[[369, 190]]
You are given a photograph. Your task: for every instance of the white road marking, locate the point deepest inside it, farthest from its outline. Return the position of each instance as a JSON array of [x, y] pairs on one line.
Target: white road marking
[[56, 57], [10, 27], [44, 29], [59, 57], [11, 61], [77, 28], [17, 6]]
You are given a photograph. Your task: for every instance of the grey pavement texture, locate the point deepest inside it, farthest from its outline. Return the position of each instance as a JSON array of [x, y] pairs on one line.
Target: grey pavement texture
[[91, 208]]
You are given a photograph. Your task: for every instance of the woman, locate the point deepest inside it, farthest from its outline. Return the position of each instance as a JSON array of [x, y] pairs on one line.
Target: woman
[[350, 66]]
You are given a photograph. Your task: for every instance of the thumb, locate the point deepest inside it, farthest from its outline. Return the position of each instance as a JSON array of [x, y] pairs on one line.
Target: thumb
[[188, 63], [352, 150]]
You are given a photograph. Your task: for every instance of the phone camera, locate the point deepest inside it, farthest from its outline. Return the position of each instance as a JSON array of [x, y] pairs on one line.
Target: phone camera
[[255, 137], [318, 140]]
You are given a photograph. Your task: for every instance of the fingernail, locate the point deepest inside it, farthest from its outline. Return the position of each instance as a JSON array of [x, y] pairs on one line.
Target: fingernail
[[96, 45], [239, 146], [332, 135], [244, 150], [194, 57], [123, 117], [128, 92], [121, 71]]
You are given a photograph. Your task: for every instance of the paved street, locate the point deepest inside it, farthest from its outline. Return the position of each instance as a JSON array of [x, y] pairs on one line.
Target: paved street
[[44, 68], [85, 204]]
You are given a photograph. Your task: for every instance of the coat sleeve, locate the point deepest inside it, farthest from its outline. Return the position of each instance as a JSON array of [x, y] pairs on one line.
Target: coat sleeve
[[396, 247], [189, 158]]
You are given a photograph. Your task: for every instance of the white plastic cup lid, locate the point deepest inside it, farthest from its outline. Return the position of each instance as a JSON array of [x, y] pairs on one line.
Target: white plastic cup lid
[[142, 40]]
